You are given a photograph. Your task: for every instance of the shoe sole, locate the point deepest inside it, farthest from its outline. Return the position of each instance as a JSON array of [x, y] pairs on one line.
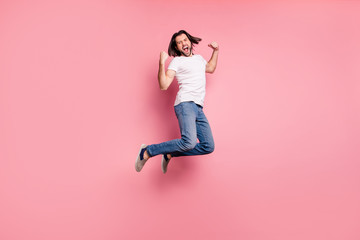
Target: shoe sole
[[138, 159]]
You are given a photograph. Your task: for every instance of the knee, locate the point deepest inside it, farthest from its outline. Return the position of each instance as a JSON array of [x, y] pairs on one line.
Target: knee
[[189, 144], [210, 147], [207, 147]]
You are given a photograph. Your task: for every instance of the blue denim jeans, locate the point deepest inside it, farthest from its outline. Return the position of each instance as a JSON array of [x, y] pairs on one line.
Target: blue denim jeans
[[193, 125]]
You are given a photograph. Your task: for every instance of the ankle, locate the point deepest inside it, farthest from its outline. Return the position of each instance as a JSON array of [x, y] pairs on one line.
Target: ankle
[[146, 155]]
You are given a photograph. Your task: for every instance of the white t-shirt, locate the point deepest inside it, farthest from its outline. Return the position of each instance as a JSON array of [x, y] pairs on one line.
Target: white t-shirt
[[190, 74]]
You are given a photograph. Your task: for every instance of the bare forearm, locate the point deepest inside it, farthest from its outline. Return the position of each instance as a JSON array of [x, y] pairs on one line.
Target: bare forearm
[[213, 60], [162, 76], [211, 65]]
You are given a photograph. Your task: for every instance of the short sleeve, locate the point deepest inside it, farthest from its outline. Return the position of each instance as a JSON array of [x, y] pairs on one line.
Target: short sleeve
[[174, 64], [203, 59]]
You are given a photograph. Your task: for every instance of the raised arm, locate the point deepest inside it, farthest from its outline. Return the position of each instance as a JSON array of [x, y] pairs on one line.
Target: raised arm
[[165, 78], [211, 65]]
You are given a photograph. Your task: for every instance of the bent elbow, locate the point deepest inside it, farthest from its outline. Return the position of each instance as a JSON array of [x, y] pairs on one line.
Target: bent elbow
[[211, 69]]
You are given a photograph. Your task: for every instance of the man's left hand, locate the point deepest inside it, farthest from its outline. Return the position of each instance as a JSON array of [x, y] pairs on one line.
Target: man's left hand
[[214, 45]]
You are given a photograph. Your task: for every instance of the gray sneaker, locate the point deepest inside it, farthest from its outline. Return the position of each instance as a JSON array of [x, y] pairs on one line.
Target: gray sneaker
[[140, 161], [164, 163]]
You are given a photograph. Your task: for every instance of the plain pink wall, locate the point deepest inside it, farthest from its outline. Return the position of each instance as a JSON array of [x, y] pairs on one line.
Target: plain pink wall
[[79, 94]]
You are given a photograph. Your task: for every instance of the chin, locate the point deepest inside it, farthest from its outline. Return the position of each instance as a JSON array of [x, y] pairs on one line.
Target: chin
[[187, 55]]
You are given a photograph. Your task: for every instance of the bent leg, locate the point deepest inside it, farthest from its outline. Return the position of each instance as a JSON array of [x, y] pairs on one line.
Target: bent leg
[[206, 141], [186, 114]]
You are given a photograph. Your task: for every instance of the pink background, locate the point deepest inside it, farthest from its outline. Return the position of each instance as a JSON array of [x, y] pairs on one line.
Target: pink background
[[79, 94]]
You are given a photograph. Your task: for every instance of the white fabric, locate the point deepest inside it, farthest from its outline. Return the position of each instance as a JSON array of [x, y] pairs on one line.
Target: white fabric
[[190, 74]]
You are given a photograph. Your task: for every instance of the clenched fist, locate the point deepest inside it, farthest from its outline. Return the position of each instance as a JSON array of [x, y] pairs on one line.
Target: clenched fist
[[214, 45], [163, 57]]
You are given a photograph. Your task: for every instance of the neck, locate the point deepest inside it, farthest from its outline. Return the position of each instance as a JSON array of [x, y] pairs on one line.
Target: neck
[[191, 54]]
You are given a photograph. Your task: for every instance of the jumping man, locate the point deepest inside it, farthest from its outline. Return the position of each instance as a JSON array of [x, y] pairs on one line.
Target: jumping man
[[189, 70]]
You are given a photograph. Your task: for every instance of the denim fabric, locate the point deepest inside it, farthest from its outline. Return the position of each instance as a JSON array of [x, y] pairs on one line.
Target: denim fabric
[[193, 125]]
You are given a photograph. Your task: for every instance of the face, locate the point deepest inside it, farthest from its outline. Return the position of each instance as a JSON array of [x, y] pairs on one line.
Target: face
[[183, 44]]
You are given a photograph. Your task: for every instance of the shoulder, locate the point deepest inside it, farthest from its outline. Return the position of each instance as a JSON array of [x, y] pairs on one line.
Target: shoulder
[[175, 60], [174, 64], [198, 56]]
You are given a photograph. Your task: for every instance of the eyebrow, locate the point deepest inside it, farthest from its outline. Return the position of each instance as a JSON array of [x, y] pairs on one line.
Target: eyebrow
[[183, 39]]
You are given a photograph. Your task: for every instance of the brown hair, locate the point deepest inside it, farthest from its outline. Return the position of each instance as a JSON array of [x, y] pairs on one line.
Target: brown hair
[[173, 51]]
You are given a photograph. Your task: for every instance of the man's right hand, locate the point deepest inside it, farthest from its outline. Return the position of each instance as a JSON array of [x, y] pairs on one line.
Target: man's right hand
[[163, 57]]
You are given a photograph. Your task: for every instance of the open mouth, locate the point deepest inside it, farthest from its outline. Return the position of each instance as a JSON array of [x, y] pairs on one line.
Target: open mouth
[[186, 49]]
